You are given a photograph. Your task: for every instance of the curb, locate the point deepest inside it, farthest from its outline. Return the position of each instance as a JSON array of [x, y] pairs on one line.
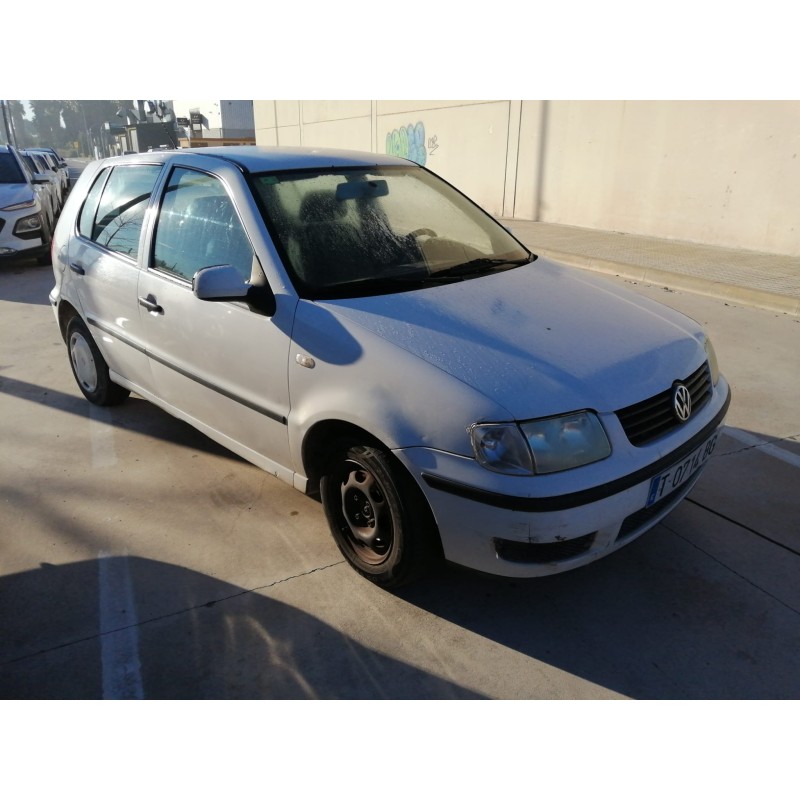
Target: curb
[[755, 298]]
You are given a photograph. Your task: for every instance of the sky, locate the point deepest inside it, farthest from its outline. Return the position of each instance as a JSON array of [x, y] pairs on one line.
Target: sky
[[357, 49]]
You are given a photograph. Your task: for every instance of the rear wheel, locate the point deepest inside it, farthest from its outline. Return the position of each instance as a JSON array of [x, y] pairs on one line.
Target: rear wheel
[[90, 368], [378, 517]]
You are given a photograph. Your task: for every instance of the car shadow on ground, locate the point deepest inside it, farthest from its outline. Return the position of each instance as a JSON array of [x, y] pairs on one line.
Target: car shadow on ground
[[135, 415], [128, 628], [674, 615]]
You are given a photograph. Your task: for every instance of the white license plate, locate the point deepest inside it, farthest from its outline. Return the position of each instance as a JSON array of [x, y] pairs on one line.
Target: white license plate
[[680, 472]]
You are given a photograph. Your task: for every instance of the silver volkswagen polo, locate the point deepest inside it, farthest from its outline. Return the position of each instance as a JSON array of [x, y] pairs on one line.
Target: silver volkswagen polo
[[357, 327]]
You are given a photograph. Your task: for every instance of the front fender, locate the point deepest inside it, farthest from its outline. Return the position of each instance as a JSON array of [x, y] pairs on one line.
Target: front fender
[[366, 381]]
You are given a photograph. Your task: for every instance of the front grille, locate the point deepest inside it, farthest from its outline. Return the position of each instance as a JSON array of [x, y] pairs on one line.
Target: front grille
[[542, 552], [655, 416]]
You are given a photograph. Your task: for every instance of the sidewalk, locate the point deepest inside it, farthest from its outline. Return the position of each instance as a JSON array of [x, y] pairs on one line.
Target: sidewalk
[[763, 280]]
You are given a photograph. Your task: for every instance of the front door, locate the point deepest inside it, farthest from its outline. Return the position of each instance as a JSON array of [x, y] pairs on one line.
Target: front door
[[220, 365]]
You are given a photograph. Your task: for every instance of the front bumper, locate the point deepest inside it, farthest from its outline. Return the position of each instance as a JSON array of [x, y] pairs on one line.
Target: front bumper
[[15, 246], [516, 535], [33, 250]]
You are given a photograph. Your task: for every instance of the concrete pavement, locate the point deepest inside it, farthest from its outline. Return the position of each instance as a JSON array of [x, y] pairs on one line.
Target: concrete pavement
[[760, 280], [140, 559]]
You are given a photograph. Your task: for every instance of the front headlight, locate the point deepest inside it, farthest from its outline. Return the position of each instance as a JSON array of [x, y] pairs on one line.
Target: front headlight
[[28, 225], [501, 448], [712, 360], [541, 446], [560, 443]]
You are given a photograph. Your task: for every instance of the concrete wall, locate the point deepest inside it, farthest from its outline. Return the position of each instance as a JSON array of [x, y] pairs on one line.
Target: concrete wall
[[236, 115], [718, 172]]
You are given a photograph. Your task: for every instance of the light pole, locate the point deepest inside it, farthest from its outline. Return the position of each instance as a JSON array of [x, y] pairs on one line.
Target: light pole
[[10, 138]]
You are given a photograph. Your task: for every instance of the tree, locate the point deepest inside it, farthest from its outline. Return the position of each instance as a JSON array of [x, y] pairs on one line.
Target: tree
[[16, 113], [47, 123], [60, 123], [83, 119]]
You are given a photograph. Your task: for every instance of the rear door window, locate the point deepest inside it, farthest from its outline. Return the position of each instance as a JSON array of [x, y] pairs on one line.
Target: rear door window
[[89, 210], [115, 221]]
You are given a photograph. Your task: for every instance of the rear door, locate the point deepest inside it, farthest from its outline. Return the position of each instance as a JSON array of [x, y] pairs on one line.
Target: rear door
[[105, 272]]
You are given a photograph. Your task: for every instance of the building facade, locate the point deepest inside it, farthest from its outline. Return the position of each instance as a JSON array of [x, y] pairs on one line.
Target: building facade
[[205, 123]]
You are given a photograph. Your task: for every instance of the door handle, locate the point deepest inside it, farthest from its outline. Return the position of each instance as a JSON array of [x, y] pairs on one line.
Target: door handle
[[77, 269], [150, 304]]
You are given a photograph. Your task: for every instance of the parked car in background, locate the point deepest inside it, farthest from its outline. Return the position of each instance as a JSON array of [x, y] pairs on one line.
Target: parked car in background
[[357, 327], [44, 188], [44, 167], [58, 165], [24, 226]]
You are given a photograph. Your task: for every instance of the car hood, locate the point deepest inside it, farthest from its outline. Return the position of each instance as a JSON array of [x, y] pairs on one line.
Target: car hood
[[13, 193], [538, 340]]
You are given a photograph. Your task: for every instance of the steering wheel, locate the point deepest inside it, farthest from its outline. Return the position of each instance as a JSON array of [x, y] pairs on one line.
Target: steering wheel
[[423, 232]]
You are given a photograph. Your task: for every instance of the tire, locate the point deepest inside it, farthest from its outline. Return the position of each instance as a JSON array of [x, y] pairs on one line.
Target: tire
[[45, 256], [379, 518], [90, 368], [47, 230]]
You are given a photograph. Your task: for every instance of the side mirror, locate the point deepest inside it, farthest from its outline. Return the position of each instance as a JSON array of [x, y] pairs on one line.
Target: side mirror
[[219, 283], [226, 283], [39, 178]]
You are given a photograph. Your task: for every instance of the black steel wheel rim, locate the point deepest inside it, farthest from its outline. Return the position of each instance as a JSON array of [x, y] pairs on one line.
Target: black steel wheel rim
[[366, 523]]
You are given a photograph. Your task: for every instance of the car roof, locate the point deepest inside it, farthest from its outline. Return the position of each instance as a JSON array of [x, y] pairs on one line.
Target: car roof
[[266, 159]]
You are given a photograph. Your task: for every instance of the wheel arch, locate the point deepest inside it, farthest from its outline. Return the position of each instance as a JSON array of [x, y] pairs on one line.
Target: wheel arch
[[66, 311], [317, 446], [419, 546]]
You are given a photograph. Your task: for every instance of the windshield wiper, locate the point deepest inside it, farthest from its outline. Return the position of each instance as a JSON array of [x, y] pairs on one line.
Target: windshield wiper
[[477, 266], [363, 287], [409, 279]]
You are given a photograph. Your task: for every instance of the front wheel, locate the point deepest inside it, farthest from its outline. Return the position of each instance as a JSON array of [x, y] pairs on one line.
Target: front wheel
[[90, 368], [378, 516]]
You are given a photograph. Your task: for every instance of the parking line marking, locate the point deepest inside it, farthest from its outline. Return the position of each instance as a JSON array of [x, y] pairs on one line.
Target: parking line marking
[[101, 433], [763, 446], [119, 638]]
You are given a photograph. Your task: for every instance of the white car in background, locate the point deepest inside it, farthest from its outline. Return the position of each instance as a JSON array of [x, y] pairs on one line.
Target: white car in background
[[25, 228], [357, 327], [58, 165], [45, 187], [44, 167]]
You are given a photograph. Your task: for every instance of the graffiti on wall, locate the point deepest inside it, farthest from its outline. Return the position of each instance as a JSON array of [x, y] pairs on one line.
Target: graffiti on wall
[[409, 142]]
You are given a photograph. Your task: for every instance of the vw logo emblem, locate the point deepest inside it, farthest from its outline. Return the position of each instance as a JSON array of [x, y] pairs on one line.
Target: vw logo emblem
[[681, 402]]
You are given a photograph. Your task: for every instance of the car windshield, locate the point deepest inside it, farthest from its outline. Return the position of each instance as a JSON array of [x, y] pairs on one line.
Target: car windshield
[[362, 231], [9, 169]]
